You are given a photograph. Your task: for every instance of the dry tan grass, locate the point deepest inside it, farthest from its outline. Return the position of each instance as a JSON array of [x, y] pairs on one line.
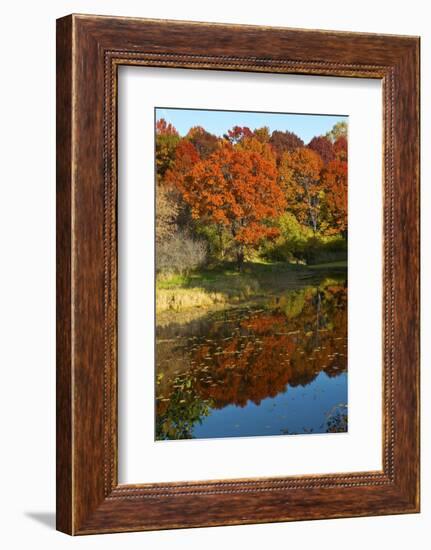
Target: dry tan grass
[[224, 291], [180, 299]]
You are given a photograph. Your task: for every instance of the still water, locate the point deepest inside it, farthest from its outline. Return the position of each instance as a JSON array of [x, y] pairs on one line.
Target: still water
[[272, 368]]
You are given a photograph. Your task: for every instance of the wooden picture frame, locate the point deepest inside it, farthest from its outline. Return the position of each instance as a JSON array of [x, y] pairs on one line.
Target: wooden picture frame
[[89, 51]]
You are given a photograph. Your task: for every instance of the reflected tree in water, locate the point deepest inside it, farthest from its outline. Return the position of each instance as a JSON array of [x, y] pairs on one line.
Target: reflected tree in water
[[249, 354]]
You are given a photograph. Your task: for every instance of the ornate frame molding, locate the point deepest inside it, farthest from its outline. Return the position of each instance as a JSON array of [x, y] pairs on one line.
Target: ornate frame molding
[[90, 49]]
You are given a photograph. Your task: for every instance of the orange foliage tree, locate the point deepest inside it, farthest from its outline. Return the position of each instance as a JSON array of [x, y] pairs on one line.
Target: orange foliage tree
[[164, 128], [257, 146], [204, 142], [185, 158], [334, 183], [340, 148], [299, 174], [235, 188]]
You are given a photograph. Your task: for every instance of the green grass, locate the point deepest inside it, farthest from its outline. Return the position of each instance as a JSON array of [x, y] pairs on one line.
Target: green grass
[[172, 281], [330, 265]]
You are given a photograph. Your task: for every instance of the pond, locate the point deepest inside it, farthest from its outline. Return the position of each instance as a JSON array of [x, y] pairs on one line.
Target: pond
[[272, 367]]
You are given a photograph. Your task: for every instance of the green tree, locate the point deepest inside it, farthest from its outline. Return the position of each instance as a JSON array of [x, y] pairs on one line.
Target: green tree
[[167, 139], [338, 130]]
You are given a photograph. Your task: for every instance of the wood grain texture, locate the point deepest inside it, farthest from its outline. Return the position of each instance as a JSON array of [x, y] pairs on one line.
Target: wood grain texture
[[90, 49], [64, 497]]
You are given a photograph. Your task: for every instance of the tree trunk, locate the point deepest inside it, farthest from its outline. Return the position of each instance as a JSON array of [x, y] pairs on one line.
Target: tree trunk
[[221, 243], [240, 258], [239, 250]]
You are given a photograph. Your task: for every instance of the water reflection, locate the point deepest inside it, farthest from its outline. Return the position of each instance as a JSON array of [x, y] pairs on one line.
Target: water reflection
[[271, 368]]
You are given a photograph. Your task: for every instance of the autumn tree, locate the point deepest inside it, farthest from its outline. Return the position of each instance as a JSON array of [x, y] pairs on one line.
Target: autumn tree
[[299, 175], [284, 142], [334, 183], [164, 128], [204, 142], [340, 148], [262, 134], [237, 189], [167, 139], [323, 146], [259, 147], [185, 158], [238, 133]]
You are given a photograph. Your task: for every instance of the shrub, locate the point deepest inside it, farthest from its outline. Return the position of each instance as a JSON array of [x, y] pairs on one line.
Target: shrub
[[180, 254], [167, 213], [219, 242], [298, 243], [324, 249], [290, 244]]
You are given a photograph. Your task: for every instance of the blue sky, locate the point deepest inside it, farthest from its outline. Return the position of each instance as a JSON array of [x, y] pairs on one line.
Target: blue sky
[[306, 126]]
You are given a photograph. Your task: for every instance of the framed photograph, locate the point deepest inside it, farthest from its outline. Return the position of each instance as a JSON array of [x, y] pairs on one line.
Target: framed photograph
[[237, 274]]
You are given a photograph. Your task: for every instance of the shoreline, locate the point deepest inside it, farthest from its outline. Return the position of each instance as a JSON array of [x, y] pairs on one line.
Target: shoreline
[[202, 294]]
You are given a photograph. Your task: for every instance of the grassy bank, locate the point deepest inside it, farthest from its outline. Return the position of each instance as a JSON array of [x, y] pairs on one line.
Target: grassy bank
[[224, 285]]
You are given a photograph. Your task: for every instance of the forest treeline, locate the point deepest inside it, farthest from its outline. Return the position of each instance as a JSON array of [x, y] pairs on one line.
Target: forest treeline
[[249, 195]]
